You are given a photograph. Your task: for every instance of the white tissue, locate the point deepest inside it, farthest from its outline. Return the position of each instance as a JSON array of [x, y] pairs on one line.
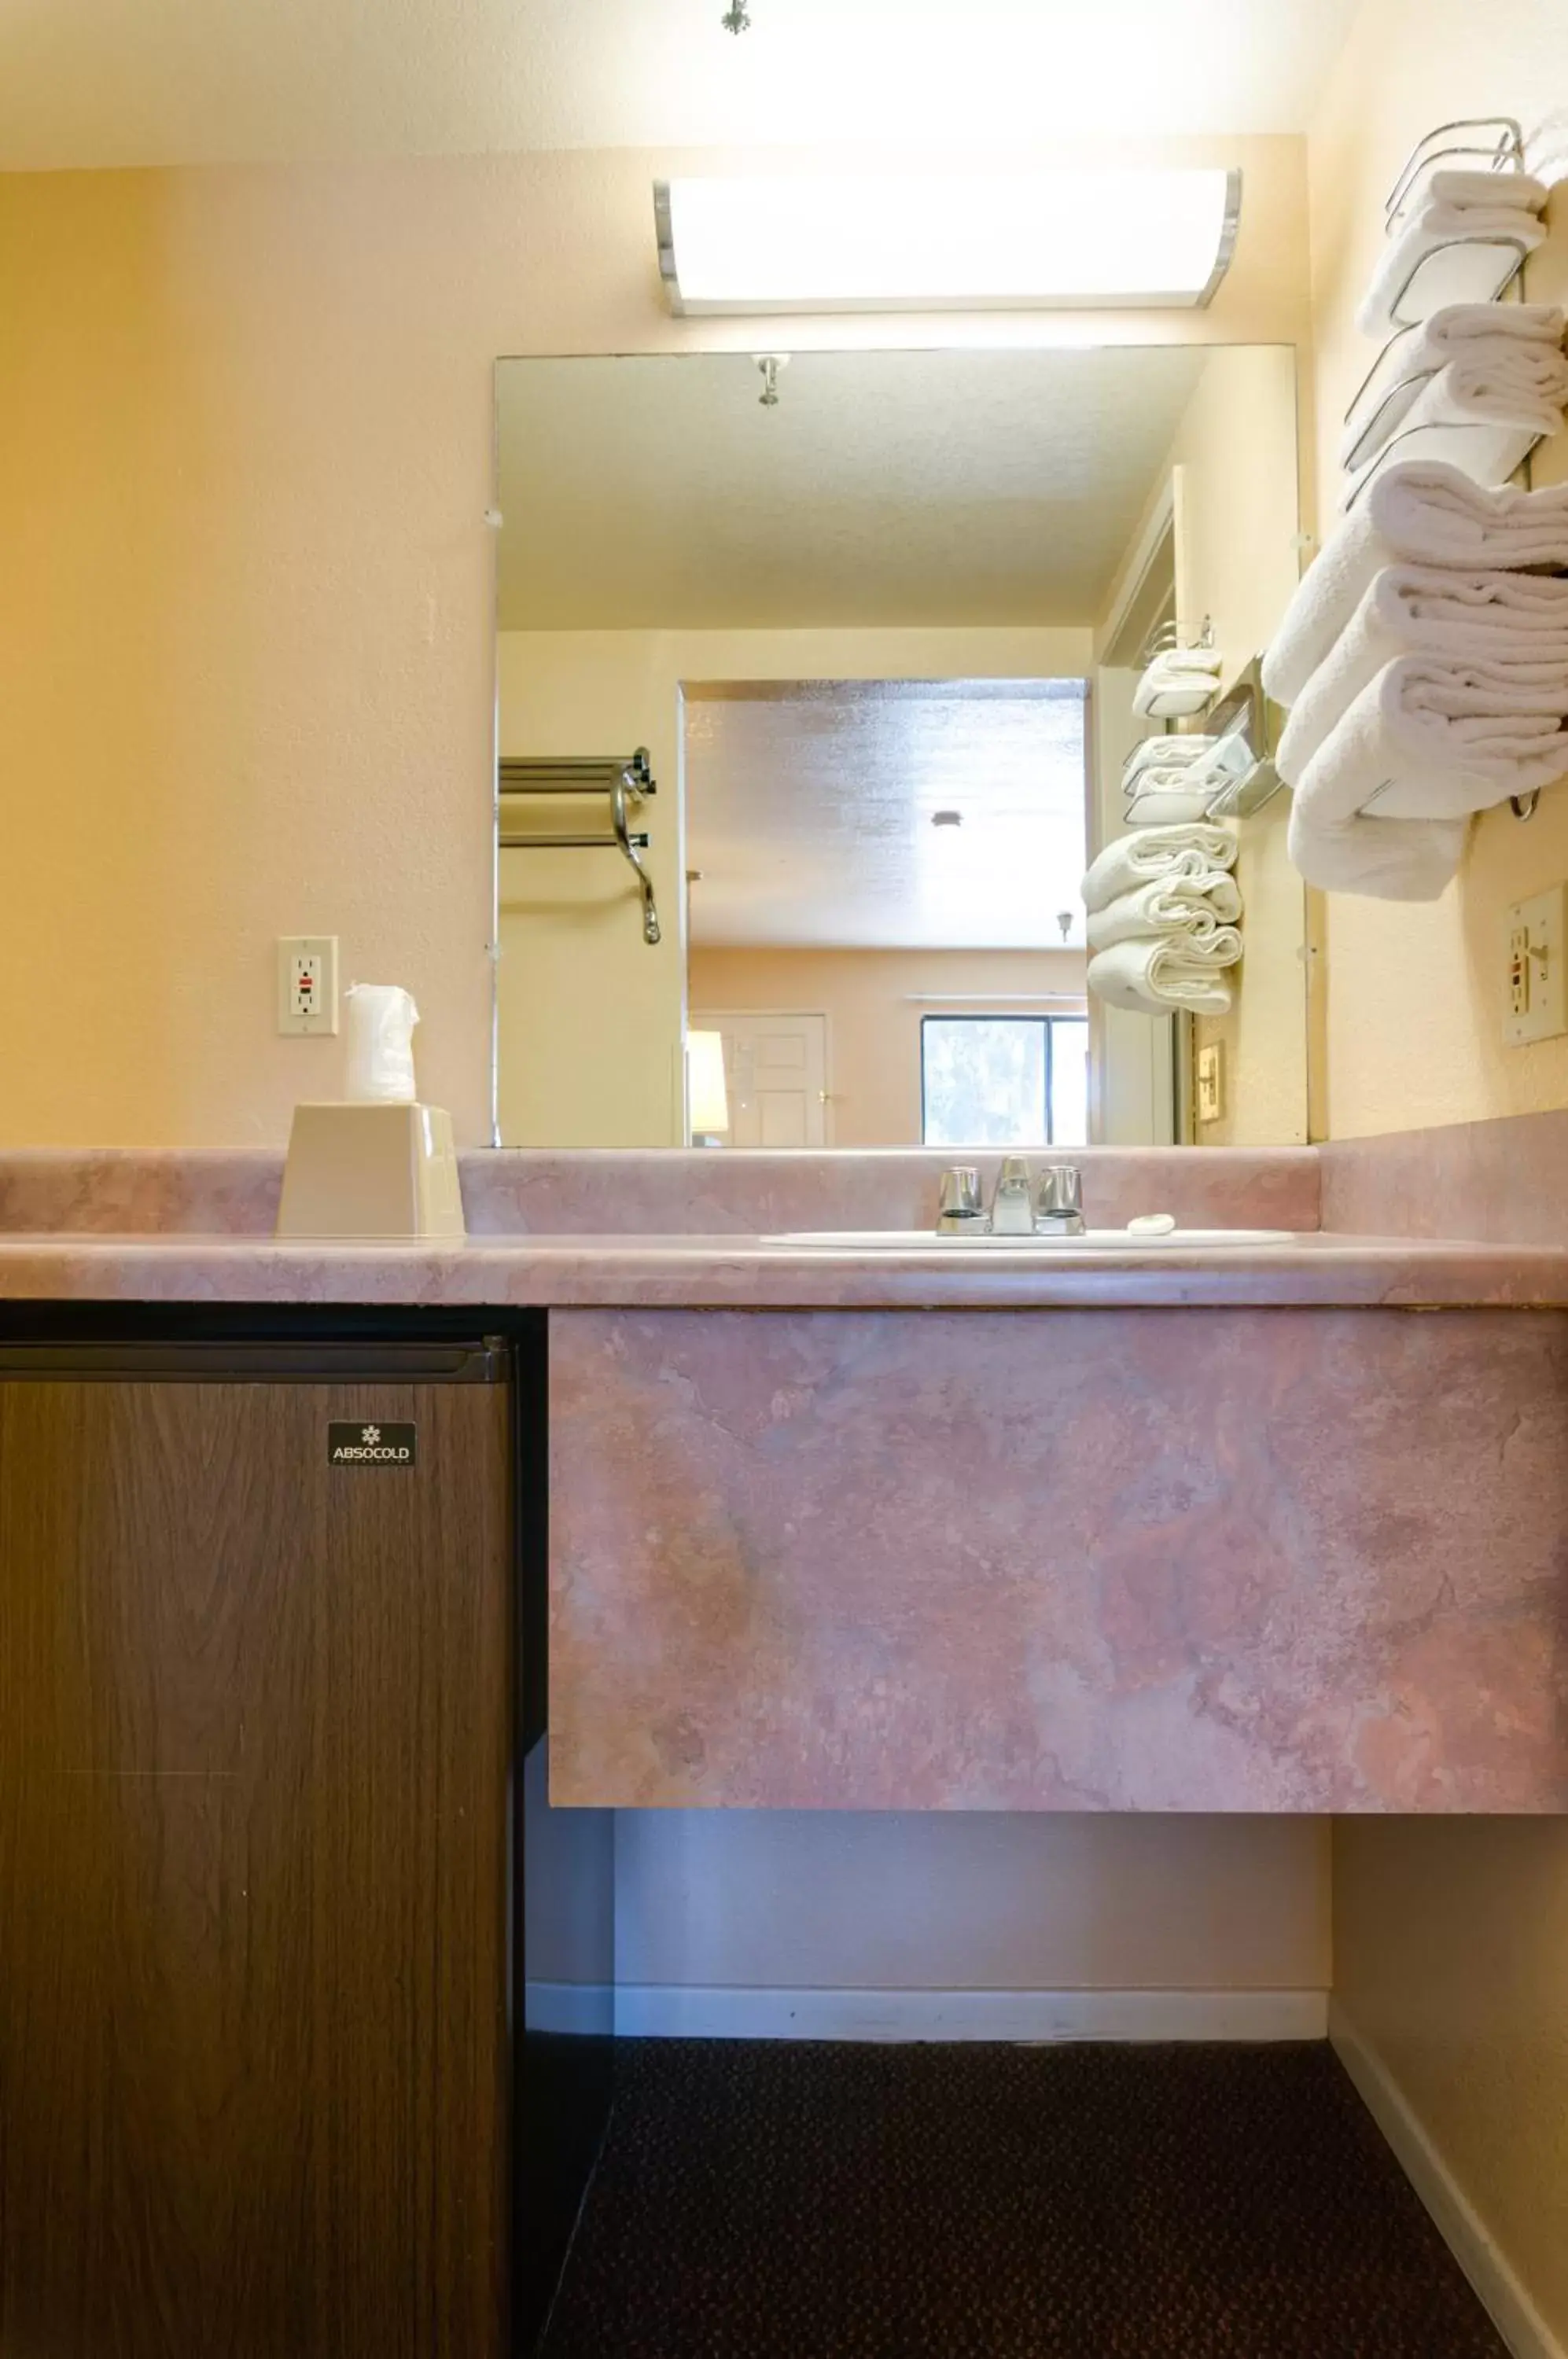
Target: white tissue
[[381, 1020]]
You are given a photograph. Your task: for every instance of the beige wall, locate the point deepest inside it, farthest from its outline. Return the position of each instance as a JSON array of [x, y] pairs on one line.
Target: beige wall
[[591, 1018], [1451, 1969], [973, 1901], [1238, 518], [874, 1001], [1233, 471], [245, 663], [1415, 995]]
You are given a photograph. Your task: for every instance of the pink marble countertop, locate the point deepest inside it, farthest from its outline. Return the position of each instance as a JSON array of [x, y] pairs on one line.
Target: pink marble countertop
[[690, 1272]]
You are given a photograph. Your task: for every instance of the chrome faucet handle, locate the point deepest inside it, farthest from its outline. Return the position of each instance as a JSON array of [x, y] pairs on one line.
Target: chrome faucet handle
[[1012, 1205], [958, 1205], [1060, 1204]]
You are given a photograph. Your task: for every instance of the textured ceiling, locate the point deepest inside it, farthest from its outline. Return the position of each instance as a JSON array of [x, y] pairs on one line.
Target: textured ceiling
[[809, 815], [181, 82], [895, 489]]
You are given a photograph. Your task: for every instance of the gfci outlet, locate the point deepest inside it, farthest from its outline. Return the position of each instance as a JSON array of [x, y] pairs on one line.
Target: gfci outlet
[[1536, 1007], [308, 983]]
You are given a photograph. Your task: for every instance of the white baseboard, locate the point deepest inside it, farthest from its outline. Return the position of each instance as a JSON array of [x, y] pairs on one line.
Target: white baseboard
[[1498, 2288], [657, 2011], [578, 2009]]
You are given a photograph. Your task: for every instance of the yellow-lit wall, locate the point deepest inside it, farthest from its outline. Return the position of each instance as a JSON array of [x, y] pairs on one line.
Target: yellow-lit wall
[[1415, 993], [245, 663], [1451, 1997], [874, 1001], [1451, 1937], [590, 1017], [1234, 465]]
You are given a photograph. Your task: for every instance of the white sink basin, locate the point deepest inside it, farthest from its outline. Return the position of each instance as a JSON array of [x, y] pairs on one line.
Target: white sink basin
[[1092, 1241]]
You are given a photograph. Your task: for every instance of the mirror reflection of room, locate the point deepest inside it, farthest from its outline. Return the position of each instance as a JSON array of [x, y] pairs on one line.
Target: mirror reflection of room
[[884, 633]]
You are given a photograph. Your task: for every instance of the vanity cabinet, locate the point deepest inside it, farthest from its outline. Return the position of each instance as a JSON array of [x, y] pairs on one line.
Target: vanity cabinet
[[255, 1746], [1123, 1560]]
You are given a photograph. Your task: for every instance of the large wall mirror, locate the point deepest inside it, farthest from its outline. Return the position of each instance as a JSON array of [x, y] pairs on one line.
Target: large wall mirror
[[821, 680]]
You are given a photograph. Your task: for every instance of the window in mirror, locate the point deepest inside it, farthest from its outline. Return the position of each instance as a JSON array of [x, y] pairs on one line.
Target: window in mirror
[[1005, 1080]]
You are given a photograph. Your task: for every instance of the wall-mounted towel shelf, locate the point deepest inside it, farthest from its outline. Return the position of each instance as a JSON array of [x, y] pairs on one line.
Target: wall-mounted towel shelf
[[622, 780], [1503, 151], [1513, 448], [1241, 765]]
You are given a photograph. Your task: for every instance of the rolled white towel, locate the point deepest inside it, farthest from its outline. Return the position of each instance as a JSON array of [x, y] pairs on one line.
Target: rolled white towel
[[1382, 807], [1418, 513], [1497, 349], [1149, 852], [1166, 751], [1155, 978], [1180, 682], [1452, 207], [1196, 906], [1516, 624]]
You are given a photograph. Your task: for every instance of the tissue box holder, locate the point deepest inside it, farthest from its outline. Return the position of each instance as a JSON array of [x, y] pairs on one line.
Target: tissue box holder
[[371, 1171]]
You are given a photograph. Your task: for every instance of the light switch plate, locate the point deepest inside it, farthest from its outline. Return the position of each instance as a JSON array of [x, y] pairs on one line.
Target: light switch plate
[[308, 983], [1211, 1082], [1536, 1001]]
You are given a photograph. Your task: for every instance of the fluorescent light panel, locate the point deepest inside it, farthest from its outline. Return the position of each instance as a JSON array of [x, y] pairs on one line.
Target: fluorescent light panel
[[1041, 240]]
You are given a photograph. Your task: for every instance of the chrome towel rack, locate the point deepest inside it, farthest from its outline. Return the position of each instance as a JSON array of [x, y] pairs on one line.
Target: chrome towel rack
[[625, 780]]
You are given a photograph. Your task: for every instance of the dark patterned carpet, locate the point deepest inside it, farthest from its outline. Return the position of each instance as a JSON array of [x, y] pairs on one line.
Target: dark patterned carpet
[[762, 2200]]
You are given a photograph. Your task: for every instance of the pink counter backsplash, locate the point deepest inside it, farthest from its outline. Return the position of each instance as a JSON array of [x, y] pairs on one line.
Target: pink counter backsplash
[[645, 1193], [1499, 1182]]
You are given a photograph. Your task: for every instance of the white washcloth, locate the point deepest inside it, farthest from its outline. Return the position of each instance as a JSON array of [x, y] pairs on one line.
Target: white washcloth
[[1180, 681], [1197, 906], [1166, 751], [1453, 209], [1166, 853], [1496, 352], [1154, 978], [1153, 804], [1514, 623], [1382, 807], [1419, 513]]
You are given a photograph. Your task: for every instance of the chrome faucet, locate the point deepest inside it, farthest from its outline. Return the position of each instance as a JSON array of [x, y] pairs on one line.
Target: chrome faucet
[[1012, 1205], [1059, 1211]]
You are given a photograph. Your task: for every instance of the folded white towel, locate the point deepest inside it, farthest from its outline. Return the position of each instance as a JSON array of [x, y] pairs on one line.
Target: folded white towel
[[1154, 978], [1419, 513], [1497, 351], [1498, 426], [1453, 209], [1195, 907], [1180, 681], [1165, 853], [1153, 804], [1515, 624], [1382, 807], [1166, 751]]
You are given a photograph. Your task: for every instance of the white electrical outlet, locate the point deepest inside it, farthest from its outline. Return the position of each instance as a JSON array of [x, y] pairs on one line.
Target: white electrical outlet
[[308, 983], [1536, 1007]]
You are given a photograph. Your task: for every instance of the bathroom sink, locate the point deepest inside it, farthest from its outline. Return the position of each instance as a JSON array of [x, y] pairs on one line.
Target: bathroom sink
[[1091, 1240]]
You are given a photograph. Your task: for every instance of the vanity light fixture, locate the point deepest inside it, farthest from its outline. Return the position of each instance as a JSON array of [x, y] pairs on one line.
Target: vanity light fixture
[[1015, 242]]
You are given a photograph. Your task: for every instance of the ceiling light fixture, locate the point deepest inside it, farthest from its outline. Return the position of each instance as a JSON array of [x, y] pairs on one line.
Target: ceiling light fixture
[[1039, 241]]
